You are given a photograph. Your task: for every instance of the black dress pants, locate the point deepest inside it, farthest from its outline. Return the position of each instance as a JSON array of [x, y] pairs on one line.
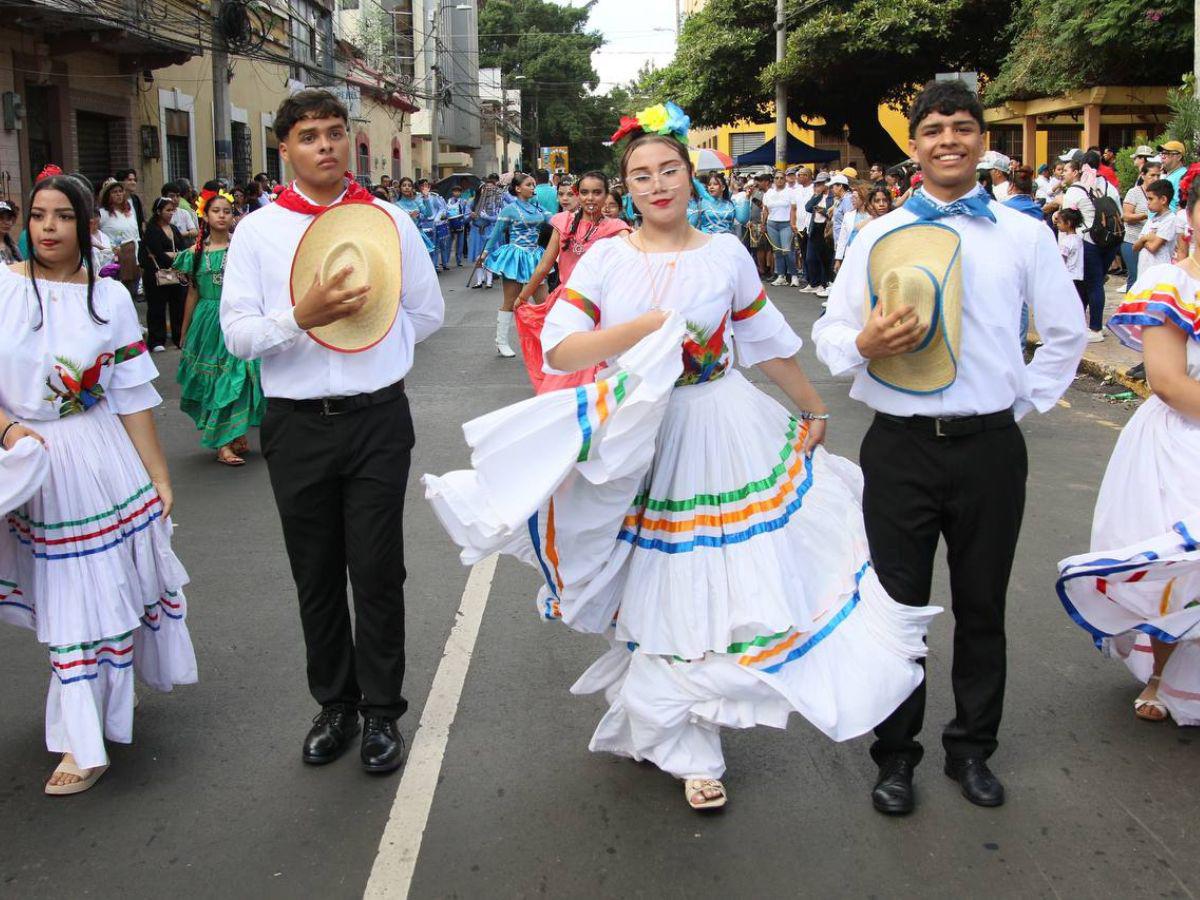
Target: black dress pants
[[339, 484], [971, 491]]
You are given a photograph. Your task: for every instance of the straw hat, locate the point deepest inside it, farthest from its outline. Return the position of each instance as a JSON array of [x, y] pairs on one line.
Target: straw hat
[[919, 265], [365, 237]]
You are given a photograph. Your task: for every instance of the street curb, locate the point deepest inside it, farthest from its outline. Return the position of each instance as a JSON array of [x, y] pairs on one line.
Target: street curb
[[1103, 370]]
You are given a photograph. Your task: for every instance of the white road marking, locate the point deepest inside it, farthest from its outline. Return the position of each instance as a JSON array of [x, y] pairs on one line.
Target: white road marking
[[400, 845]]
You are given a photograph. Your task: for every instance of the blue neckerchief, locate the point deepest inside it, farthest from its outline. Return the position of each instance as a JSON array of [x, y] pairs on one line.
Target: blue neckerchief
[[1023, 203], [975, 204]]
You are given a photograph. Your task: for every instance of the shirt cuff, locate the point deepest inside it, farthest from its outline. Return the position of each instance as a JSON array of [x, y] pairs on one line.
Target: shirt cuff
[[286, 320]]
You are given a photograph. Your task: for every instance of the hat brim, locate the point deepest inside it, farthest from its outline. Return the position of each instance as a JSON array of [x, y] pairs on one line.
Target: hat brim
[[375, 234], [933, 366]]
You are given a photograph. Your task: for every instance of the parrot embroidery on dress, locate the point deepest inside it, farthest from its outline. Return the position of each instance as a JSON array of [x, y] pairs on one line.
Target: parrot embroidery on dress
[[78, 389], [704, 355]]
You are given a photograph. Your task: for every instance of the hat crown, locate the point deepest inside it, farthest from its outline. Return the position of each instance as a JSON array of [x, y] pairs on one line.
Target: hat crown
[[914, 286], [339, 256]]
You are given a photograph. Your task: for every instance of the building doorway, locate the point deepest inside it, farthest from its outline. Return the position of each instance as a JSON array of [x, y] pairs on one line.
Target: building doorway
[[93, 134]]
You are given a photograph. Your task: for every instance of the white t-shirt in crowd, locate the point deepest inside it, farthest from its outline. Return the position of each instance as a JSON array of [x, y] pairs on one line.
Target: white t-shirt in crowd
[[1047, 186], [1000, 190], [779, 204], [1076, 197], [801, 194], [1070, 247], [1164, 225], [1136, 198]]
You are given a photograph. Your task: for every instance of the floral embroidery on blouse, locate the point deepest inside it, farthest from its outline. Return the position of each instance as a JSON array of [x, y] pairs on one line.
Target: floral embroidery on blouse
[[78, 389]]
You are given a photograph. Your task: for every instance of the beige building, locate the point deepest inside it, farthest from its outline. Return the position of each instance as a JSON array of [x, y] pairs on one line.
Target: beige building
[[71, 87]]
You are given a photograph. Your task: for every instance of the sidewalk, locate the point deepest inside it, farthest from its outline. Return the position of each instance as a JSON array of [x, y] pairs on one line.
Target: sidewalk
[[1112, 359]]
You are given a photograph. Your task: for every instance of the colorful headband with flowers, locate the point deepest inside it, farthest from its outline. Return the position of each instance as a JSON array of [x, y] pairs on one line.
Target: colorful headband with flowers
[[207, 196], [662, 118]]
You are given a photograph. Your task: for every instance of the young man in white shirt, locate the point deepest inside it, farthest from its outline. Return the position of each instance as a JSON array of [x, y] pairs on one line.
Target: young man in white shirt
[[952, 463], [801, 194], [1097, 260], [999, 169], [778, 203], [337, 435]]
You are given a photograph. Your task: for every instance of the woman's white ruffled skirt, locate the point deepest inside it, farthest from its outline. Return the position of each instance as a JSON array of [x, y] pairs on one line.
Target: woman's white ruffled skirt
[[1142, 579], [87, 563], [729, 570]]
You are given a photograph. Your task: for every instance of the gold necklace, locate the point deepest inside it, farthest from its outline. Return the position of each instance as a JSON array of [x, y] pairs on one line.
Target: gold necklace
[[657, 293]]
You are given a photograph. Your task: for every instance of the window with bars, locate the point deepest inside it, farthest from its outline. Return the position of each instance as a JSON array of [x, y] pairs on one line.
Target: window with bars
[[274, 166], [364, 160], [242, 152], [395, 163], [1059, 140], [179, 149], [1007, 139]]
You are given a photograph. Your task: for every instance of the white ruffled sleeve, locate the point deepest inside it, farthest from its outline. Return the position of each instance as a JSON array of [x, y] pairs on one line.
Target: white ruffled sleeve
[[760, 331], [578, 308], [130, 389]]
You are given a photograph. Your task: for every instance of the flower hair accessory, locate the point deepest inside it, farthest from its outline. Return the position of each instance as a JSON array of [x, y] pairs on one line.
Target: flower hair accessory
[[662, 118], [208, 196]]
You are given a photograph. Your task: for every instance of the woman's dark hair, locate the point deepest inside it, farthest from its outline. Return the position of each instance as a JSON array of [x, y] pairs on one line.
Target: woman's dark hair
[[1193, 197], [519, 179], [159, 204], [81, 207], [203, 236], [104, 200], [122, 174], [947, 98], [721, 178], [421, 181], [1022, 180], [876, 191], [381, 193], [595, 175], [400, 183], [1072, 217], [1092, 158], [313, 103]]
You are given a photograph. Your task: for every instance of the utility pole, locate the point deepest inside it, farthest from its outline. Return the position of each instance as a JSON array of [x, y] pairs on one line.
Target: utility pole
[[781, 116], [222, 114], [1195, 51], [434, 137]]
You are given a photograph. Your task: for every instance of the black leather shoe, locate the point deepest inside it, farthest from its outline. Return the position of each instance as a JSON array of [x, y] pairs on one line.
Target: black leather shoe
[[333, 728], [382, 745], [978, 783], [893, 793]]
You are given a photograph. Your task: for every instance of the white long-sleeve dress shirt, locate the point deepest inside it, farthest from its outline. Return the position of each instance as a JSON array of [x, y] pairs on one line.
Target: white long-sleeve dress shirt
[[1005, 263], [257, 318]]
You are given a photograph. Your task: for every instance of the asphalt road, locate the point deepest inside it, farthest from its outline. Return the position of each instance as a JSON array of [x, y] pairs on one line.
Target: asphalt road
[[212, 799]]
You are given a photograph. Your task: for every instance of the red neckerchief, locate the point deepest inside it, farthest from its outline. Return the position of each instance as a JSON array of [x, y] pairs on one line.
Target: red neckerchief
[[290, 198]]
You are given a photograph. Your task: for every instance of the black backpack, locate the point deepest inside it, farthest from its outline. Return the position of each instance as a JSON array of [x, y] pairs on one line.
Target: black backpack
[[1108, 228]]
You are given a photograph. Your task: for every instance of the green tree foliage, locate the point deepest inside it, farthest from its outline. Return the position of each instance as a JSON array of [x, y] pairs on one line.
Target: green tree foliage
[[551, 46], [1056, 46], [844, 58]]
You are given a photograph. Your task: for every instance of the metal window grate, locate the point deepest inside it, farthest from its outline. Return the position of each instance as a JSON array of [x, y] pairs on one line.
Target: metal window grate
[[242, 155], [179, 157]]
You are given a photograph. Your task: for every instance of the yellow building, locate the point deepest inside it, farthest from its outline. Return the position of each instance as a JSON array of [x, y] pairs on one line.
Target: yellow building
[[1101, 116], [742, 137]]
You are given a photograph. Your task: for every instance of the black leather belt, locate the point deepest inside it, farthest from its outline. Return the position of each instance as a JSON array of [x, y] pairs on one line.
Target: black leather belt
[[954, 426], [336, 406]]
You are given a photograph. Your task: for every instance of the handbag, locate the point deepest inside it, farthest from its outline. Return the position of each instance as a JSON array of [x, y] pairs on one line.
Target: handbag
[[166, 277], [127, 260]]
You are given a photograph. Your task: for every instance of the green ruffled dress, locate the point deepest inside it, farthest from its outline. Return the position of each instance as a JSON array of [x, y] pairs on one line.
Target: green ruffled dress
[[221, 393]]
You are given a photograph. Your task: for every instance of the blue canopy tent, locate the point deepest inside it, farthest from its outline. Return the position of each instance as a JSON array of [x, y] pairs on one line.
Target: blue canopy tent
[[797, 152]]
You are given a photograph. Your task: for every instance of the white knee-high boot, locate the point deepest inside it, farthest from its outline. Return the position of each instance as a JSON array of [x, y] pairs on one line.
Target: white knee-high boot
[[503, 321]]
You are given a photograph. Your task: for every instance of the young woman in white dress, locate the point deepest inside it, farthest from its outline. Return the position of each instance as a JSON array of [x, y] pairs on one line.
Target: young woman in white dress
[[1137, 593], [680, 511], [86, 561]]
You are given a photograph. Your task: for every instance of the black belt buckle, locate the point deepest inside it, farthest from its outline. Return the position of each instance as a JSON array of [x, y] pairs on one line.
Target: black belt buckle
[[327, 408]]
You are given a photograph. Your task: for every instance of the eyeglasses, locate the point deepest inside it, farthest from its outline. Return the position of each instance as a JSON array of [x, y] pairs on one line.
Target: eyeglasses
[[670, 179]]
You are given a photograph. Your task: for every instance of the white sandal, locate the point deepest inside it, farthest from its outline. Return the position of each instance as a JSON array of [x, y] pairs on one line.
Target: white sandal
[[694, 788], [87, 779], [1141, 705]]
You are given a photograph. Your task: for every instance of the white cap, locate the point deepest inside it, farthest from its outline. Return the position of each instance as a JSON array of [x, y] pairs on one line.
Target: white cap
[[839, 178], [994, 159]]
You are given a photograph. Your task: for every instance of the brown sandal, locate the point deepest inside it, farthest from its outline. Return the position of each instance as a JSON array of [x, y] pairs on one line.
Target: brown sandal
[[226, 457]]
